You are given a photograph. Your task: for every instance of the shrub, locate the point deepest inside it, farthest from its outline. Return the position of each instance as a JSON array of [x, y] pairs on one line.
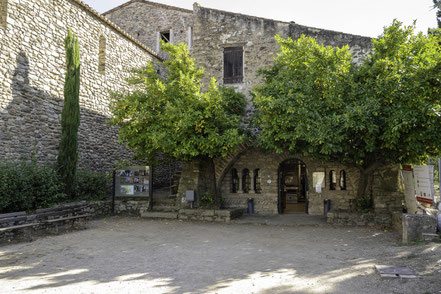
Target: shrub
[[90, 185], [28, 186]]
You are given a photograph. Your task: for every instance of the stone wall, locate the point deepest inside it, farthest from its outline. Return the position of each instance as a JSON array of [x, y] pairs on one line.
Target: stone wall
[[144, 20], [359, 219], [32, 56], [266, 201], [214, 30], [42, 226]]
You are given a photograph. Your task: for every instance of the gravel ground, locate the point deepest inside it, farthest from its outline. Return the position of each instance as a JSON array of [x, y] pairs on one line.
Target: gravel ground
[[133, 255]]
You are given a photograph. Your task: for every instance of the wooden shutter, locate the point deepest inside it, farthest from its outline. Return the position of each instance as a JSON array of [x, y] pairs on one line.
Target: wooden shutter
[[233, 65]]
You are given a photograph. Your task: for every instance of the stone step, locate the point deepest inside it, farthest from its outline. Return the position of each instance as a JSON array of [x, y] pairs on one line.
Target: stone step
[[165, 208], [168, 202], [160, 215]]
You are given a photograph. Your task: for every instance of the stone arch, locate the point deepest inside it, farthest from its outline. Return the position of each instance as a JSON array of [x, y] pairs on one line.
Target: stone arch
[[224, 164]]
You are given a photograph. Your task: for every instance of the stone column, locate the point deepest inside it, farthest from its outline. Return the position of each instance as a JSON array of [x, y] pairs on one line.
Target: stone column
[[252, 191], [239, 190]]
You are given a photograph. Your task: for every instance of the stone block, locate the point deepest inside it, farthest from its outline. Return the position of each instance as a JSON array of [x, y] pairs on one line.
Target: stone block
[[415, 225]]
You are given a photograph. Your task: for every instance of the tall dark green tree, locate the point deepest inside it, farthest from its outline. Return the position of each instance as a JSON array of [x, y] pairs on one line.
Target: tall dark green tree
[[70, 116]]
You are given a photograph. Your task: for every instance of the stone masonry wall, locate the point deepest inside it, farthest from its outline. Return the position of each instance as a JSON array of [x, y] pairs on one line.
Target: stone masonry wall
[[144, 20], [385, 193], [214, 30], [32, 72], [266, 201]]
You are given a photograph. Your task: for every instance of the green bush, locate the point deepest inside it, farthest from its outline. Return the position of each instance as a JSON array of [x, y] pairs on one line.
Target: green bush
[[90, 185], [28, 186]]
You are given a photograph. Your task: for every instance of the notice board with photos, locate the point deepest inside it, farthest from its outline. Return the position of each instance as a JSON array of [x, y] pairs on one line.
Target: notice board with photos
[[133, 181]]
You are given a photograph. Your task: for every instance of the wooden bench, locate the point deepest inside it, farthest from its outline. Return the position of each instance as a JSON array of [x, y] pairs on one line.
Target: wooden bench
[[42, 216], [17, 217], [61, 214]]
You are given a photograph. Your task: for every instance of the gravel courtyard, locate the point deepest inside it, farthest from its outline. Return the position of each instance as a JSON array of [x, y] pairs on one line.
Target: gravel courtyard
[[133, 255]]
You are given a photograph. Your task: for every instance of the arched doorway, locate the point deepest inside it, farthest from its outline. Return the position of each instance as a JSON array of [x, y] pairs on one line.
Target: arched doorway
[[292, 187]]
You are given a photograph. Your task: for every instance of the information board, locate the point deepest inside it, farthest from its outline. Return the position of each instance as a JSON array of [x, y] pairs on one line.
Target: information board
[[423, 178], [133, 181]]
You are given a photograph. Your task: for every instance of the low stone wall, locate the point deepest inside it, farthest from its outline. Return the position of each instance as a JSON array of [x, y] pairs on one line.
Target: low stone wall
[[131, 207], [358, 219], [41, 227], [416, 225], [223, 215]]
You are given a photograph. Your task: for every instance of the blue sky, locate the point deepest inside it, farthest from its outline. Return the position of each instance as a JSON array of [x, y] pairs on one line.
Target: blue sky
[[361, 17]]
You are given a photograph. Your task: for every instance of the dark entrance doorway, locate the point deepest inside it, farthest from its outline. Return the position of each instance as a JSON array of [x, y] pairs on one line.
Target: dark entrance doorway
[[293, 185]]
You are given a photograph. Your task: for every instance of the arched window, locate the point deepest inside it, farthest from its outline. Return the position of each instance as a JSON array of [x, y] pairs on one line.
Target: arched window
[[257, 187], [102, 55], [332, 180], [234, 181], [3, 12], [246, 181], [342, 180]]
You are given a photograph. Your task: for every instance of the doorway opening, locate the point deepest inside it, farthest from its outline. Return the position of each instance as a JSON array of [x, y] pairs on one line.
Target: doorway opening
[[293, 187]]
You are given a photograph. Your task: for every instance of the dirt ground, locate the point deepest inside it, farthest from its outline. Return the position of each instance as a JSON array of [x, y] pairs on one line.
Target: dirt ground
[[133, 255]]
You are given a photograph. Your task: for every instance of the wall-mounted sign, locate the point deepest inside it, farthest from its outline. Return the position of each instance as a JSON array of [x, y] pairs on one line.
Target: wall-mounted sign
[[133, 181], [318, 181], [423, 179]]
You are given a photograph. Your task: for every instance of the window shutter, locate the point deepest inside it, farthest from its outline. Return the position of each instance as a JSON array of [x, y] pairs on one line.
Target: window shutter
[[233, 65]]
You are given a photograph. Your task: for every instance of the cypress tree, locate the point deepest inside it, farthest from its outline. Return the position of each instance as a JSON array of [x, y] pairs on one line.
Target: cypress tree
[[70, 116]]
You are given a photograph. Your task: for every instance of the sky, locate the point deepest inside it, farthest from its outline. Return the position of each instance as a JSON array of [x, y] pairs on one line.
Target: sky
[[359, 17]]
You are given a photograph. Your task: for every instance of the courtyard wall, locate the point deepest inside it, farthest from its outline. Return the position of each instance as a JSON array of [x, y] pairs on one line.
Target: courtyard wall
[[32, 72]]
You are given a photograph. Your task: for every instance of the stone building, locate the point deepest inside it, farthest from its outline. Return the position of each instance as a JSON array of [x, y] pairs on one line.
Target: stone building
[[232, 47], [32, 72]]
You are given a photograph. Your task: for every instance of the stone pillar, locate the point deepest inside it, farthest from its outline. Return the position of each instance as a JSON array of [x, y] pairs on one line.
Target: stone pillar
[[252, 191], [239, 190]]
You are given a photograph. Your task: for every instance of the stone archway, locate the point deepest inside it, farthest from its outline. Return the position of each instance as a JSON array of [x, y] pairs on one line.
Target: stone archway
[[292, 186]]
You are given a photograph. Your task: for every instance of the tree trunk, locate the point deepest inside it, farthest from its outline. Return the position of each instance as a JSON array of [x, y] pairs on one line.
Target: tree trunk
[[213, 185], [207, 180], [365, 186]]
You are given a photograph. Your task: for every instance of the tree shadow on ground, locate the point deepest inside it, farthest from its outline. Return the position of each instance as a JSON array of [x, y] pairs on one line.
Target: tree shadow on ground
[[128, 254]]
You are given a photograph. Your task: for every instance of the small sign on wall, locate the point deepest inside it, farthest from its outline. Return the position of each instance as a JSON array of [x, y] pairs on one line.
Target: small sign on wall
[[318, 181]]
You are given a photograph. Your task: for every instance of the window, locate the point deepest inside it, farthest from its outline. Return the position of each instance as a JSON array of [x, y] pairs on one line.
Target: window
[[102, 55], [165, 36], [257, 187], [234, 181], [246, 181], [332, 180], [233, 65], [3, 12], [342, 180]]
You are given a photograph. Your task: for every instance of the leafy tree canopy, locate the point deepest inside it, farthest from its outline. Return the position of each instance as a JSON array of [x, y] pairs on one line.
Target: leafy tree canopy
[[178, 116], [315, 101]]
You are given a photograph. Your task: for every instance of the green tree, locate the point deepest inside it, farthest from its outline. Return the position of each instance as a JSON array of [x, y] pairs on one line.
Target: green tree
[[178, 116], [70, 116], [437, 6], [315, 101]]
